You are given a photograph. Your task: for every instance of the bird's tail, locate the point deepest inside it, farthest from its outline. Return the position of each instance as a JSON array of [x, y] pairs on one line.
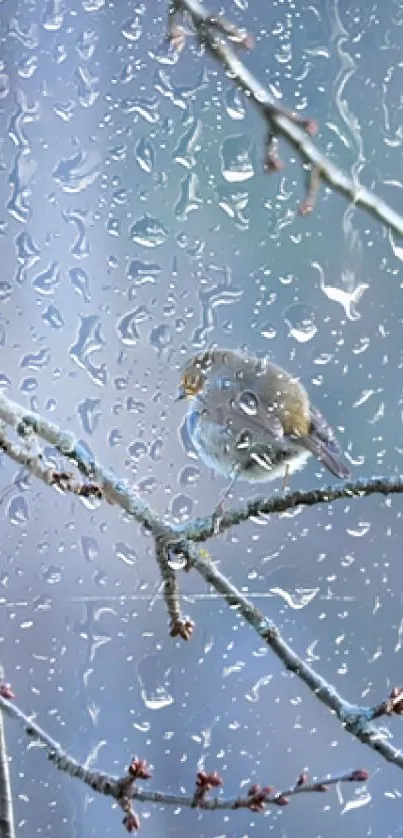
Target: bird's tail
[[322, 443], [331, 459]]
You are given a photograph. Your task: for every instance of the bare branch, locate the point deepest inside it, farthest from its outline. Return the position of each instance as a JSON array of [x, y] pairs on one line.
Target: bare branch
[[356, 719], [203, 528], [281, 121], [124, 789]]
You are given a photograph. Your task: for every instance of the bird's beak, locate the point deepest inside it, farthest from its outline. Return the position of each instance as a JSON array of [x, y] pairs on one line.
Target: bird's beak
[[180, 393]]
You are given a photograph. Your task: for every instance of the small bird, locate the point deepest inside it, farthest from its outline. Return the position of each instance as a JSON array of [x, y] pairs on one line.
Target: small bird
[[251, 419]]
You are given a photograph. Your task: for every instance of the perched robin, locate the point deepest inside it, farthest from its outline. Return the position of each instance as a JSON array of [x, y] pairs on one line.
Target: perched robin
[[250, 419]]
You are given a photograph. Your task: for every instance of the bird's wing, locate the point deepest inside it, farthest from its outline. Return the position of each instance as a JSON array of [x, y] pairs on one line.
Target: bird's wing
[[242, 413], [322, 443]]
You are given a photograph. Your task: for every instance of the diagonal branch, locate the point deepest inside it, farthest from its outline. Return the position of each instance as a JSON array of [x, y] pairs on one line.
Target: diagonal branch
[[358, 720], [280, 121], [355, 718]]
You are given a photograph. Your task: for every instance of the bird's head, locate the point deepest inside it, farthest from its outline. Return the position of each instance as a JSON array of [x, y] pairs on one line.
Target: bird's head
[[194, 374]]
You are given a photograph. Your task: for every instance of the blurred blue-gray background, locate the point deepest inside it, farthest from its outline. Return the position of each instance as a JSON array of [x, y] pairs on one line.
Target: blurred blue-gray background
[[137, 225]]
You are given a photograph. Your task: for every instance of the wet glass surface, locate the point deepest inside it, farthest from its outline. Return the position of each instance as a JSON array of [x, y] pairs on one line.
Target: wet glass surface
[[138, 227]]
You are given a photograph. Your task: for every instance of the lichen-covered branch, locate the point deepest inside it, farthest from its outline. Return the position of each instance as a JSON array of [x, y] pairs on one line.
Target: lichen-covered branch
[[221, 41], [125, 789], [173, 540], [202, 528]]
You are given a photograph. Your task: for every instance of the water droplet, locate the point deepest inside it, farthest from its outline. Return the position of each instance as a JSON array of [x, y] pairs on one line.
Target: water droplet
[[156, 450], [81, 282], [177, 561], [145, 156], [131, 29], [80, 247], [143, 273], [89, 548], [89, 340], [127, 325], [348, 298], [234, 103], [254, 694], [146, 108], [26, 251], [5, 290], [236, 162], [76, 173], [243, 440], [188, 476], [89, 414], [138, 450], [86, 44], [148, 232], [87, 88], [45, 282], [187, 145], [153, 682], [165, 53], [248, 401], [25, 33], [52, 574], [268, 331], [93, 5], [17, 510], [4, 85], [301, 323], [362, 529], [188, 200], [28, 385], [36, 361], [53, 16], [53, 317], [27, 66], [296, 599], [125, 553], [181, 508], [161, 337], [23, 170]]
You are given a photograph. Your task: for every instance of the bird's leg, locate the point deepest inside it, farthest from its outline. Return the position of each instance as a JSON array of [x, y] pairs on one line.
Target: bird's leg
[[219, 510], [286, 476]]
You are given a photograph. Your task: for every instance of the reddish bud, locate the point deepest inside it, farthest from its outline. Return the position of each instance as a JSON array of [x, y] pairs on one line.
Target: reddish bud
[[206, 781], [131, 822], [6, 691], [139, 770], [359, 776], [182, 628]]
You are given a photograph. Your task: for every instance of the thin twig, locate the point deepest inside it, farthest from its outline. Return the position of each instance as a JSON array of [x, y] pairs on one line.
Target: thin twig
[[179, 626], [178, 539], [112, 786], [202, 528], [35, 463], [283, 122], [357, 719], [7, 826]]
